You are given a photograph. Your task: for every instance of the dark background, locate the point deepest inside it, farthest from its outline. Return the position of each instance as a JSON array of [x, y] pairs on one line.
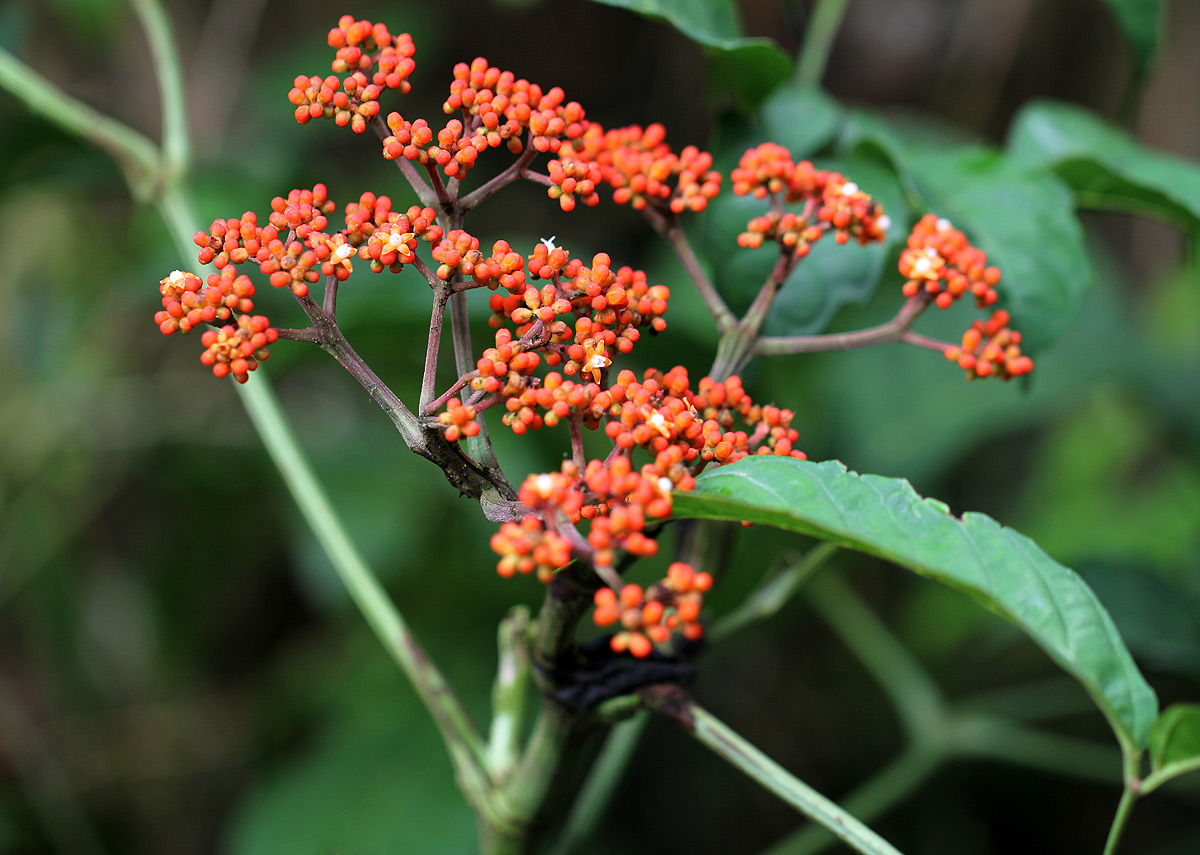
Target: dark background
[[180, 671]]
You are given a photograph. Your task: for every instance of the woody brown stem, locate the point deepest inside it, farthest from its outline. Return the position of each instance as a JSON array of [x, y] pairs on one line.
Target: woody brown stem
[[897, 329]]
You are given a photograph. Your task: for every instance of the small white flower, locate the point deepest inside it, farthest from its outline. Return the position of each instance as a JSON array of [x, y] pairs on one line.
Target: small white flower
[[943, 224], [544, 484], [549, 242], [922, 266], [849, 188], [659, 423], [177, 277], [343, 252], [884, 223], [665, 486]]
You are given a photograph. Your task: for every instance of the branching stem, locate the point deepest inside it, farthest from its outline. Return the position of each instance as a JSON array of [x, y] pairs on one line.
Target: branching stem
[[509, 175], [897, 329]]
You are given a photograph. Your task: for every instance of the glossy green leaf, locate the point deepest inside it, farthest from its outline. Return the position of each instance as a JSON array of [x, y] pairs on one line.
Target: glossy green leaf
[[752, 67], [1022, 217], [1005, 571], [1103, 165], [1175, 741], [1141, 22]]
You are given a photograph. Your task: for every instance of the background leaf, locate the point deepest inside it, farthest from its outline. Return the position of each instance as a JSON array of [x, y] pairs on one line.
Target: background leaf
[[1175, 741], [1022, 217], [801, 118], [1103, 165], [752, 67], [997, 566]]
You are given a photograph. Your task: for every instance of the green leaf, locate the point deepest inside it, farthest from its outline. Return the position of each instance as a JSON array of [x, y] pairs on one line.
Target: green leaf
[[801, 118], [1022, 217], [1103, 165], [752, 67], [1003, 570], [1141, 22], [1175, 742]]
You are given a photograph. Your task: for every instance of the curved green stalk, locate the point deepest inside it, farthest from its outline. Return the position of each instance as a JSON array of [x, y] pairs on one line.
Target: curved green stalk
[[136, 154], [1124, 809], [176, 147], [725, 742], [148, 174], [818, 41]]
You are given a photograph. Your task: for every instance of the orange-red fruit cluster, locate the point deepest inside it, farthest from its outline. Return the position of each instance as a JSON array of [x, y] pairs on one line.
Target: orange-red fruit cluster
[[237, 350], [940, 260], [649, 617], [187, 302], [640, 167], [527, 548], [682, 430], [991, 349], [371, 59], [496, 109], [459, 420], [830, 202]]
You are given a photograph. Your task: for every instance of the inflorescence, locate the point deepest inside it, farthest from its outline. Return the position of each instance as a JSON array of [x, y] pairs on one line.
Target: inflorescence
[[561, 321]]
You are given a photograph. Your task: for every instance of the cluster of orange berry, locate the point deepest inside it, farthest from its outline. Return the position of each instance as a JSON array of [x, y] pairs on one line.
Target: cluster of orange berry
[[991, 349], [373, 231], [234, 349], [648, 617], [640, 167], [371, 59], [549, 308], [497, 109], [830, 202], [681, 430], [939, 260]]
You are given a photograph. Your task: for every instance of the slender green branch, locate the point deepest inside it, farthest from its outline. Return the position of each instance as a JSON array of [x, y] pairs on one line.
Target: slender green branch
[[873, 798], [726, 743], [480, 445], [175, 145], [1120, 819], [463, 741], [466, 746], [773, 592], [136, 154], [818, 41], [1156, 779]]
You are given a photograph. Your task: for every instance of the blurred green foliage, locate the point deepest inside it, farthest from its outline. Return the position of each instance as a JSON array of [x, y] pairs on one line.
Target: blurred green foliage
[[180, 673]]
